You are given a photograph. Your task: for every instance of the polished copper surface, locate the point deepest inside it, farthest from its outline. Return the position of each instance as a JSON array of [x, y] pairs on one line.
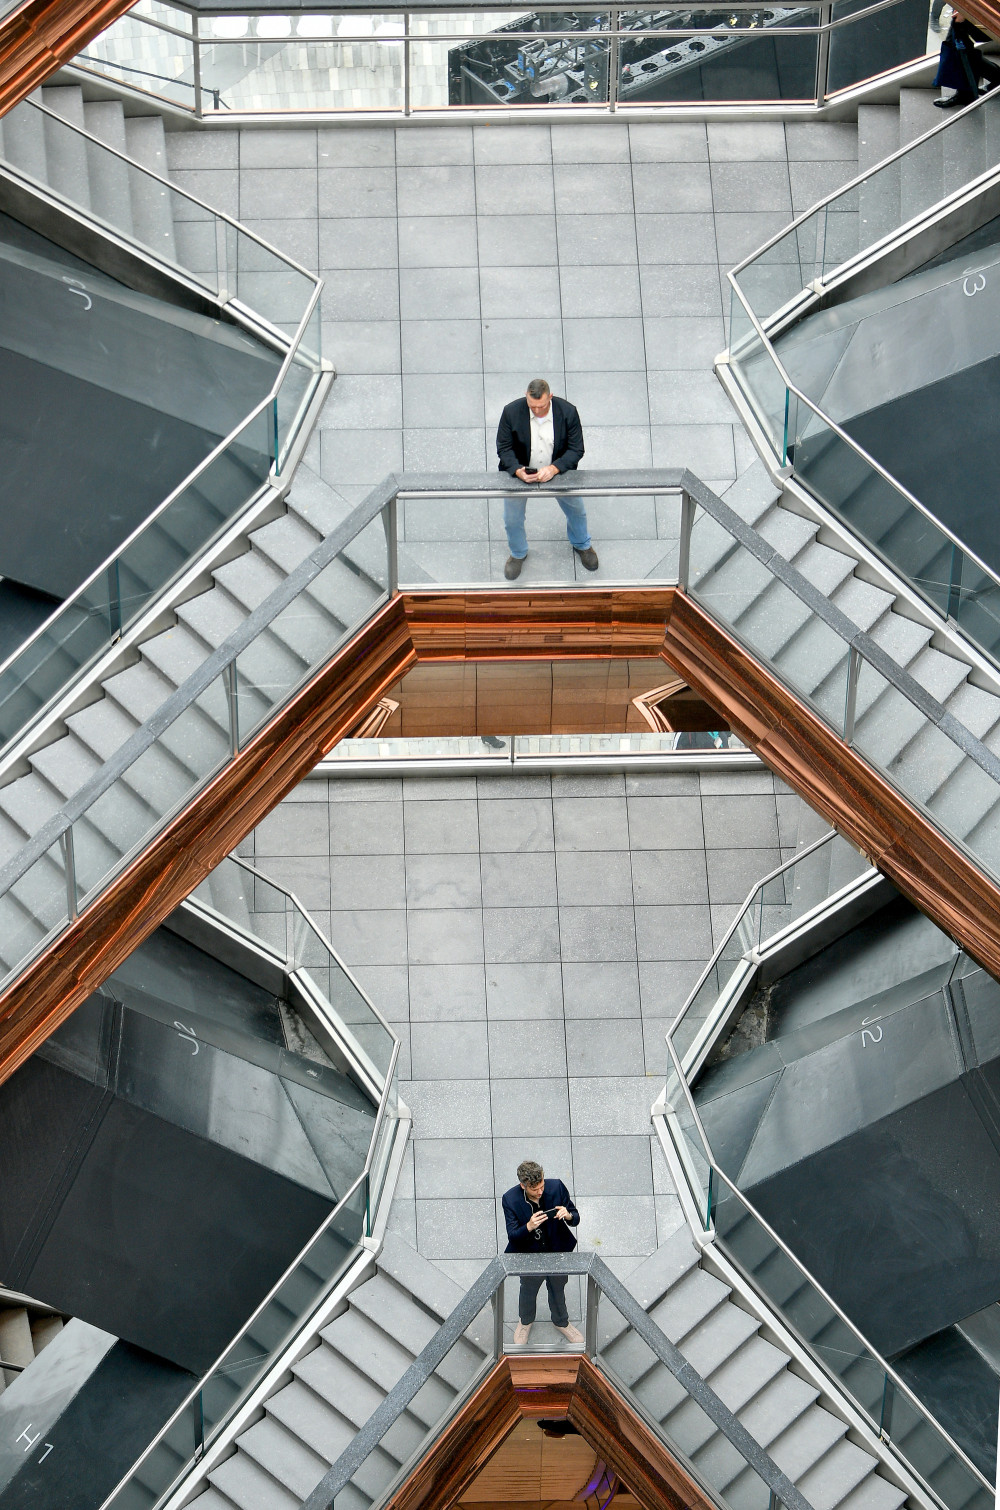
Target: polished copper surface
[[597, 695], [43, 35], [483, 627], [548, 1386], [837, 782], [178, 859]]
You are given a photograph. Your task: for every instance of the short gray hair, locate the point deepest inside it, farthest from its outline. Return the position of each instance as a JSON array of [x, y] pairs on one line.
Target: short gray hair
[[538, 388], [528, 1172]]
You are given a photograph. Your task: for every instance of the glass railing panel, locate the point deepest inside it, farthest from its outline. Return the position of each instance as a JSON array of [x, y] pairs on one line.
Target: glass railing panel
[[699, 1008], [382, 1150], [753, 365], [679, 1419], [789, 1289], [34, 907], [144, 57], [871, 505], [318, 63], [873, 44], [326, 1257], [910, 1429], [83, 630], [200, 511], [697, 1165], [461, 540], [297, 387], [975, 603], [262, 280], [157, 782], [735, 68], [306, 633], [508, 70]]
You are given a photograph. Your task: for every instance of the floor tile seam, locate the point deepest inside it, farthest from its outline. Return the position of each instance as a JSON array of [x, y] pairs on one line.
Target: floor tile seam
[[399, 335], [638, 279], [497, 1194]]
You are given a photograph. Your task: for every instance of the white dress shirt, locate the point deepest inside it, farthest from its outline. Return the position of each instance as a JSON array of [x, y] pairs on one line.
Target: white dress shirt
[[542, 441]]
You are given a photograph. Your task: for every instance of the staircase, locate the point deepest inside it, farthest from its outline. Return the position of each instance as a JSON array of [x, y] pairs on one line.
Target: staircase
[[128, 201], [340, 1383], [825, 465], [888, 729], [26, 1327], [344, 593], [309, 1422]]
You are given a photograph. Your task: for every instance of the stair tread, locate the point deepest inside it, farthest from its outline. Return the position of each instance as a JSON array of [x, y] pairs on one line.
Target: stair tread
[[249, 1487], [835, 1475], [284, 1456]]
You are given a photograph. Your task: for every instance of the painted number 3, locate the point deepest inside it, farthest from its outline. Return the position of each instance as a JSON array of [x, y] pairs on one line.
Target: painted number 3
[[870, 1035], [973, 284]]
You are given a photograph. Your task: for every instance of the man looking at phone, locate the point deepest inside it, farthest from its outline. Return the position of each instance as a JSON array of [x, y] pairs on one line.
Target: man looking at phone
[[538, 437], [539, 1215]]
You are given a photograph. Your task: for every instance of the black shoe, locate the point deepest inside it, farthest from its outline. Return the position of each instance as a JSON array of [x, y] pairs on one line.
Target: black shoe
[[588, 558], [512, 569], [956, 102]]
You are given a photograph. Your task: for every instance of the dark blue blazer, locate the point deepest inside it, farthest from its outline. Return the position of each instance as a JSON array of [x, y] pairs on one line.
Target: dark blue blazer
[[517, 1212], [514, 436]]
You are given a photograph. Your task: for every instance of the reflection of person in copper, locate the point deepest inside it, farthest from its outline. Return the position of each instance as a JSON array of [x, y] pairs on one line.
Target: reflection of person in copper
[[961, 66], [539, 1214]]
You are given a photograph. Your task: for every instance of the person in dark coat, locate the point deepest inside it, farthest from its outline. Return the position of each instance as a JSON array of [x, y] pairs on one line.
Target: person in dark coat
[[540, 1216], [961, 65], [538, 437]]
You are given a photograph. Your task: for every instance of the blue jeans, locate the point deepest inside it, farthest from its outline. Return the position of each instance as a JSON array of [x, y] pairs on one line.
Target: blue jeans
[[513, 522]]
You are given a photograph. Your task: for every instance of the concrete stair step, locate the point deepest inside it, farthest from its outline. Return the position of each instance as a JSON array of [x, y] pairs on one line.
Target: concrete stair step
[[24, 138], [66, 165], [250, 1487], [878, 197], [283, 1456], [152, 211], [109, 176]]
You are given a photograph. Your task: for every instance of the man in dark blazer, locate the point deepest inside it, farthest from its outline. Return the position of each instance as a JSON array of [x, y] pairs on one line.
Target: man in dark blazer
[[538, 437], [540, 1216]]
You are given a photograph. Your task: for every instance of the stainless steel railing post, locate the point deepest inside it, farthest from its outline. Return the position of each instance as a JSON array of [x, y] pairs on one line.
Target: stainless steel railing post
[[593, 1302], [498, 1295], [684, 541]]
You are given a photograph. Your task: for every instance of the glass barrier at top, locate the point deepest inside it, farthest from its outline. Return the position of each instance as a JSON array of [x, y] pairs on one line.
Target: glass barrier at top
[[461, 540], [404, 62]]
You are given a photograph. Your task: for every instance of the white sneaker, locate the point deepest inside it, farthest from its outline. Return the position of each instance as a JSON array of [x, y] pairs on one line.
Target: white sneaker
[[522, 1333], [569, 1331]]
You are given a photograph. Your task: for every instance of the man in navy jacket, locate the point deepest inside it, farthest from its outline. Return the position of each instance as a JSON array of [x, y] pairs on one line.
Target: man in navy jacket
[[538, 437], [540, 1216]]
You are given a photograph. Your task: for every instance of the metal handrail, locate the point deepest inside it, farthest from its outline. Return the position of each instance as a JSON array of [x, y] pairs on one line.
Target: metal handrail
[[860, 178], [489, 1287], [243, 864], [884, 241], [821, 30], [797, 1264], [341, 1205], [290, 348], [854, 445], [801, 854], [382, 501]]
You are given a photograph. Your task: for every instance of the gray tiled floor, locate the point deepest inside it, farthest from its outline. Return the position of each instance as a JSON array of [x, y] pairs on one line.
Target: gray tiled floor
[[460, 261], [529, 937]]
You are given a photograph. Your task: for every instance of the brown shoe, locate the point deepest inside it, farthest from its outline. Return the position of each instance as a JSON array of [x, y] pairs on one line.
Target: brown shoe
[[522, 1332], [512, 568], [588, 558], [570, 1332]]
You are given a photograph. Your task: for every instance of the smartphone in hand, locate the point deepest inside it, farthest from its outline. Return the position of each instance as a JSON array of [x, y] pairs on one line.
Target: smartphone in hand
[[530, 471]]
